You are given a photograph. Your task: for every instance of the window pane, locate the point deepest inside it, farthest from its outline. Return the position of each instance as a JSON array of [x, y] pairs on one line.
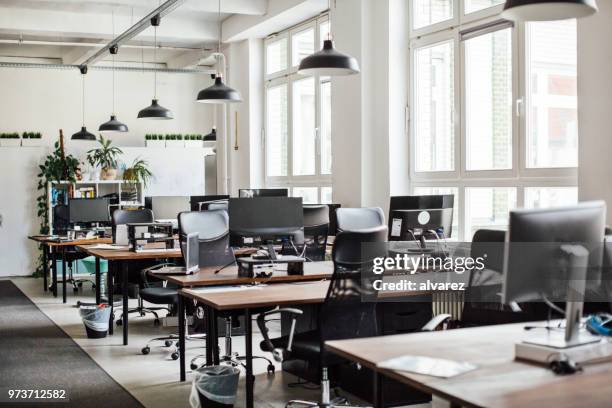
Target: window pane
[[326, 195], [276, 56], [434, 113], [325, 130], [444, 190], [488, 207], [304, 127], [309, 194], [547, 197], [488, 101], [323, 32], [476, 5], [552, 116], [428, 12], [302, 45], [276, 131]]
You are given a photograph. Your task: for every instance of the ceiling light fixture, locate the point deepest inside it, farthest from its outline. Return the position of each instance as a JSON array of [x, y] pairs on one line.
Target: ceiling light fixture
[[155, 111], [329, 61], [219, 92], [547, 10], [83, 134]]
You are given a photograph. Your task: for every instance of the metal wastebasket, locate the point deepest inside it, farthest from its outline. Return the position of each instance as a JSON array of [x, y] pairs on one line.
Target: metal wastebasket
[[214, 387]]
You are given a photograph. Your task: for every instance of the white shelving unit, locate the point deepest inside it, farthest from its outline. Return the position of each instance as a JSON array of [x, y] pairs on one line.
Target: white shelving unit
[[101, 188]]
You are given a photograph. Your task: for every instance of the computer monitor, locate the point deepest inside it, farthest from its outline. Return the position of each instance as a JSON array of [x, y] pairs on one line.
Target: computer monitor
[[167, 208], [196, 201], [550, 256], [411, 216], [263, 192], [88, 210], [265, 219]]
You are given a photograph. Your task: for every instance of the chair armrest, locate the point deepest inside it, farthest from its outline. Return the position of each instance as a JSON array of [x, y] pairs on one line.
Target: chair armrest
[[278, 354], [436, 322], [144, 274]]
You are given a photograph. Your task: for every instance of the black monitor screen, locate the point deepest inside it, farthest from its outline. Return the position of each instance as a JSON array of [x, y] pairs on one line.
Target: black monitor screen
[[196, 201], [263, 192], [87, 210], [266, 216]]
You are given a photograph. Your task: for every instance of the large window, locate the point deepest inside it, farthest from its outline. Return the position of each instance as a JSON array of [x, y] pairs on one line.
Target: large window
[[493, 111], [298, 115]]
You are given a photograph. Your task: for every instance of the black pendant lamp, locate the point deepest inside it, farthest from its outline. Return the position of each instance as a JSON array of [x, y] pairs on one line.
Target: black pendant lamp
[[83, 134], [219, 92], [547, 10], [329, 61], [155, 111], [113, 125]]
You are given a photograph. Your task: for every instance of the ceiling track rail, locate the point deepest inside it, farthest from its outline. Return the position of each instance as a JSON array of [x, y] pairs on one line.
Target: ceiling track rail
[[105, 68], [166, 8]]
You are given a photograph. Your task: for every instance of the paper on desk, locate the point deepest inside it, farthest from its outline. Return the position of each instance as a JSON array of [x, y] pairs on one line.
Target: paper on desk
[[109, 246], [435, 367], [221, 289]]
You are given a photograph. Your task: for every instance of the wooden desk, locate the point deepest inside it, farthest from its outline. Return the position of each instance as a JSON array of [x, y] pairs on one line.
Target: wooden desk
[[120, 260], [54, 247], [499, 381], [247, 299]]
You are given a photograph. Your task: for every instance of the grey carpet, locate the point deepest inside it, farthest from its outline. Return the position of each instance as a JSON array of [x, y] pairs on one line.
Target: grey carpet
[[36, 354]]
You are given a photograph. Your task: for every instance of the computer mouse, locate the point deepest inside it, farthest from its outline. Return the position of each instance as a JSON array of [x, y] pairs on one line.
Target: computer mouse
[[600, 324]]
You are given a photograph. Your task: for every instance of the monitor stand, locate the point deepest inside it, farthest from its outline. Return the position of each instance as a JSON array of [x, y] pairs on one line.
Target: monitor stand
[[578, 259], [271, 250]]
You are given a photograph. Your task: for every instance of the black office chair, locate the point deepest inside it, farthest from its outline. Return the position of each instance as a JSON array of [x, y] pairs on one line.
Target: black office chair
[[343, 315], [316, 230], [213, 227], [122, 217], [358, 219]]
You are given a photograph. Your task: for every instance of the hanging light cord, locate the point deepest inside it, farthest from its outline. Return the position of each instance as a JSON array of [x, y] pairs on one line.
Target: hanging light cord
[[155, 62], [329, 35], [218, 56], [113, 18], [83, 98]]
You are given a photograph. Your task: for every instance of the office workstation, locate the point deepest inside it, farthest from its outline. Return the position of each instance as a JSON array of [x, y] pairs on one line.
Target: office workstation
[[311, 203]]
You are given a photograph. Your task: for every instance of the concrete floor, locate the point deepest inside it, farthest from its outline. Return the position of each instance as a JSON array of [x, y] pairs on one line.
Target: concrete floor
[[153, 378]]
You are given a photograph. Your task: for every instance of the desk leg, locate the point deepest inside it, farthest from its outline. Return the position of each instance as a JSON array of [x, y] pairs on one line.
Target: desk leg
[[111, 295], [249, 358], [45, 256], [181, 323], [63, 274], [98, 282], [53, 254], [124, 283], [209, 330], [214, 336], [379, 401]]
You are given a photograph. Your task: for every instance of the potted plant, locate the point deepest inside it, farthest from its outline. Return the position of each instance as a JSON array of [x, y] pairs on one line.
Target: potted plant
[[156, 141], [105, 158], [173, 141], [31, 139], [138, 172], [193, 141], [10, 140]]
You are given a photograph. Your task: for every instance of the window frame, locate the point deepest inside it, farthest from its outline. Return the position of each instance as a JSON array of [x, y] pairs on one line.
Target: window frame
[[289, 76], [520, 176]]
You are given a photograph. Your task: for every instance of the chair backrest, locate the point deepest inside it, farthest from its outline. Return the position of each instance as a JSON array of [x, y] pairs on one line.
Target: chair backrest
[[221, 205], [213, 229], [122, 217], [316, 230], [61, 220], [358, 219], [344, 314]]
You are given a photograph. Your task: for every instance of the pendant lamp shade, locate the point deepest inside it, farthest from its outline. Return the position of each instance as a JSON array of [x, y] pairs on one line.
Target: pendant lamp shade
[[329, 62], [83, 134], [547, 10], [113, 125], [155, 111], [219, 93]]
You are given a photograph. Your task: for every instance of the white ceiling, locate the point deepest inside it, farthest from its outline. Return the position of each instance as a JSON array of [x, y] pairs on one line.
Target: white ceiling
[[191, 29]]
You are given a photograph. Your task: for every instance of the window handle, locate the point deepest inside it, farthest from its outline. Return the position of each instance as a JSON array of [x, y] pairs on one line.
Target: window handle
[[519, 107]]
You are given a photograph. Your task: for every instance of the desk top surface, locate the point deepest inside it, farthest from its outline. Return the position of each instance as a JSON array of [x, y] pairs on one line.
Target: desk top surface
[[127, 255], [250, 297], [44, 239], [229, 276], [499, 381]]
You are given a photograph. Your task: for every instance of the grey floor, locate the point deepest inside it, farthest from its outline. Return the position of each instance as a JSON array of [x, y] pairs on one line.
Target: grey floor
[[153, 379]]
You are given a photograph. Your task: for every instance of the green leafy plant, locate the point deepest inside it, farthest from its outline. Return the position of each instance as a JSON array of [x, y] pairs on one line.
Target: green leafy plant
[[105, 156], [138, 172]]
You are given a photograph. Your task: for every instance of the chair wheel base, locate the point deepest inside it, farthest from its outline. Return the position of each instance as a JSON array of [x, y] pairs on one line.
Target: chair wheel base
[[175, 355], [271, 369], [156, 323], [168, 343], [145, 350]]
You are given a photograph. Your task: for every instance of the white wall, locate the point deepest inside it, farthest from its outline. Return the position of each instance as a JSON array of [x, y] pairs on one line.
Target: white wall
[[49, 100], [595, 106]]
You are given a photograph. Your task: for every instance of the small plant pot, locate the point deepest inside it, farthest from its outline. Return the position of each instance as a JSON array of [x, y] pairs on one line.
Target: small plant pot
[[175, 143], [10, 142], [155, 143], [31, 142], [194, 143], [108, 174]]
